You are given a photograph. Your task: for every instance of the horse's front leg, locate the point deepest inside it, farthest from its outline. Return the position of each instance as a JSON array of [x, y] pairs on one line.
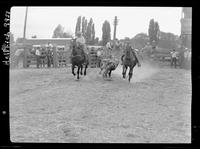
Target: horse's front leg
[[130, 74], [78, 72], [73, 66], [110, 73]]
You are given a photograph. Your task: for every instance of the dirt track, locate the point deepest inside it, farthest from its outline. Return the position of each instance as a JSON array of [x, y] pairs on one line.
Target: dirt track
[[49, 105]]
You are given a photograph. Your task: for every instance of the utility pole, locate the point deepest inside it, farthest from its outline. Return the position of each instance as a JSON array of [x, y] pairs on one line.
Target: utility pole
[[115, 27], [24, 38], [25, 22]]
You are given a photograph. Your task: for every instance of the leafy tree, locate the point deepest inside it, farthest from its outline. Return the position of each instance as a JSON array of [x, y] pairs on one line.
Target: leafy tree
[[78, 25], [153, 32], [96, 41], [106, 35], [93, 34], [168, 40], [84, 26], [89, 31], [67, 35], [58, 32], [140, 40], [156, 33]]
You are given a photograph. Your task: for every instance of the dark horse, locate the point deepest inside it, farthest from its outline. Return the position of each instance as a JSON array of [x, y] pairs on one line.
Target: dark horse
[[78, 58], [128, 60]]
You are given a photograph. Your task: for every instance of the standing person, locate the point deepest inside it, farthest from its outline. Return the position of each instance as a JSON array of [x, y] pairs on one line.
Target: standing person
[[174, 57], [187, 57], [38, 54], [49, 55]]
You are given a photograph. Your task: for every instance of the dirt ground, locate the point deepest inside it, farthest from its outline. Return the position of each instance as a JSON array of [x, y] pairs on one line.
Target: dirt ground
[[49, 105]]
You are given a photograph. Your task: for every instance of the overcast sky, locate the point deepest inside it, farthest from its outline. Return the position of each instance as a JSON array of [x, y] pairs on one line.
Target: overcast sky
[[42, 21]]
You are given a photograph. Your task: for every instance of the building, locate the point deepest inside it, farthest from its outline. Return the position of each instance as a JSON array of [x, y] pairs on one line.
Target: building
[[186, 27], [54, 41]]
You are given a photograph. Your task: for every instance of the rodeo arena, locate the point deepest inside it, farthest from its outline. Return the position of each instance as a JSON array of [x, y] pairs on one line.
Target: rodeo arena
[[65, 91]]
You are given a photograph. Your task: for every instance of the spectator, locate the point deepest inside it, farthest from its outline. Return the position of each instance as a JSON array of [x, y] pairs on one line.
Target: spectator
[[174, 57], [38, 54]]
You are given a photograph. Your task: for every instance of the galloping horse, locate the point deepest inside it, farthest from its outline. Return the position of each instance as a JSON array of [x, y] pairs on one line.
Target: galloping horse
[[128, 60], [78, 58]]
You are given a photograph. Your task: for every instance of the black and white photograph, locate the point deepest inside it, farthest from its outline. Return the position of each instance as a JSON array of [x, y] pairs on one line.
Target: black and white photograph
[[100, 74]]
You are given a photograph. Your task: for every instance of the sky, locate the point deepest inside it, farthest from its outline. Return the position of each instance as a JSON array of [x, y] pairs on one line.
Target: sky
[[42, 21]]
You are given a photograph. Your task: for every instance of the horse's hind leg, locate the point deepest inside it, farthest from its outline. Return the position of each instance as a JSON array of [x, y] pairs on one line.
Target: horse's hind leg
[[86, 65], [81, 69], [73, 70], [124, 71]]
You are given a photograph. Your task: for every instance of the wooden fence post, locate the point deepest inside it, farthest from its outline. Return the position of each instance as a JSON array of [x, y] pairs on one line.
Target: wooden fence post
[[55, 58], [25, 58]]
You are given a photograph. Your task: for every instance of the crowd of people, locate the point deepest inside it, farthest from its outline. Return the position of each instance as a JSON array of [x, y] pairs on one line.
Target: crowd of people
[[44, 55]]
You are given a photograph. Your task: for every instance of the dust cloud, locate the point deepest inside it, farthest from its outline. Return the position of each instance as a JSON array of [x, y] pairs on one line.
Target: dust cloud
[[139, 73]]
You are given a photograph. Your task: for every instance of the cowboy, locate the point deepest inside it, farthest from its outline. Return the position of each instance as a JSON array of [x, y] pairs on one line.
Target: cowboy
[[174, 57], [38, 54], [80, 40], [49, 54]]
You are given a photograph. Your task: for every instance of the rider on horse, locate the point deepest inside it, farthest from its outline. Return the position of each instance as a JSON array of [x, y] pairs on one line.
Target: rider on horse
[[127, 45], [80, 40]]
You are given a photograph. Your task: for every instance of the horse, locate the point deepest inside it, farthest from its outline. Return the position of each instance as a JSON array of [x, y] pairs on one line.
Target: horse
[[78, 58], [128, 60]]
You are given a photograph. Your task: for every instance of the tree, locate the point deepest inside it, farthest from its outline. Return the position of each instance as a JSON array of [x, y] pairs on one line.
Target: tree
[[153, 32], [96, 41], [93, 34], [106, 35], [88, 32], [58, 32], [156, 33], [84, 26], [67, 35], [140, 40], [168, 40], [78, 25]]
